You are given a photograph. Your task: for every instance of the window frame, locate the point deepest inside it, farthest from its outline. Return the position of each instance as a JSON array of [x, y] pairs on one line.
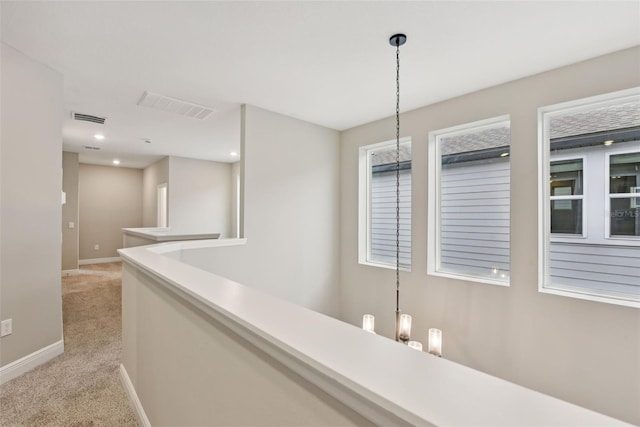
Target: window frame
[[545, 114], [571, 238], [627, 240], [364, 205], [434, 198]]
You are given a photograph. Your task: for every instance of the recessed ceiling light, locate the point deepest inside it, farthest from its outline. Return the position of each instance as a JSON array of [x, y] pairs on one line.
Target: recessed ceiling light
[[116, 161], [233, 154], [608, 142], [99, 136], [504, 154]]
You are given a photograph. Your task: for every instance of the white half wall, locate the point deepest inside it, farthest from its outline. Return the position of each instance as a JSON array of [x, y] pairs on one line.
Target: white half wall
[[190, 369]]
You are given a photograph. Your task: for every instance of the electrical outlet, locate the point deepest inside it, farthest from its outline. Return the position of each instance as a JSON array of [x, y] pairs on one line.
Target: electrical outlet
[[96, 247], [6, 327], [72, 224]]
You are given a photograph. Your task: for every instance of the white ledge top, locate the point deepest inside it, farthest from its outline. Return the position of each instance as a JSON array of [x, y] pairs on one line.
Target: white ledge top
[[166, 234], [415, 387]]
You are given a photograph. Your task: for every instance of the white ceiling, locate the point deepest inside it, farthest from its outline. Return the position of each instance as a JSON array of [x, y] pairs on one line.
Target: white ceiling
[[326, 62]]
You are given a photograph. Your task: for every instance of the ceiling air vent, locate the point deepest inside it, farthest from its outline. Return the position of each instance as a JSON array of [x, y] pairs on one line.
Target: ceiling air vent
[[90, 147], [88, 118], [175, 106]]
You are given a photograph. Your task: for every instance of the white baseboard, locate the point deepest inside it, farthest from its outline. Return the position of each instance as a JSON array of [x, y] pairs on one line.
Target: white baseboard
[[73, 272], [99, 260], [133, 397], [30, 361]]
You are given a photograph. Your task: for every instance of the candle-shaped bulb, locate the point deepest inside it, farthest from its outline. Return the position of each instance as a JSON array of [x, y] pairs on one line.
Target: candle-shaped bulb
[[416, 345], [405, 327], [435, 342], [368, 322]]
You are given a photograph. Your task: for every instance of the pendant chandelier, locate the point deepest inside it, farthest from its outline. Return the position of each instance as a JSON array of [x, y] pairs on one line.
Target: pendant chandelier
[[402, 321]]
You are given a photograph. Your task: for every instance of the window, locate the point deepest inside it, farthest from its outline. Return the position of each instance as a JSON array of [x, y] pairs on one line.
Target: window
[[469, 201], [377, 217], [566, 196], [624, 195], [590, 217]]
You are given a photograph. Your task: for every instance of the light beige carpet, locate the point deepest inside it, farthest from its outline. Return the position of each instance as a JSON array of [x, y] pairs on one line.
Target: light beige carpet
[[80, 387]]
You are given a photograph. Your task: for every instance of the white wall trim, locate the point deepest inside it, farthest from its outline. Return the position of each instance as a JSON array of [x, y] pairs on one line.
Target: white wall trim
[[99, 260], [30, 361], [133, 397], [73, 272]]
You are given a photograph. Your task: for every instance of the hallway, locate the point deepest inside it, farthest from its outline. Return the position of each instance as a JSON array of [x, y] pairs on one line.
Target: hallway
[[80, 387]]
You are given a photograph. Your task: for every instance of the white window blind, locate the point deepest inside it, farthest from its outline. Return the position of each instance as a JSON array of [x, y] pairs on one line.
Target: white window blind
[[474, 219], [383, 216]]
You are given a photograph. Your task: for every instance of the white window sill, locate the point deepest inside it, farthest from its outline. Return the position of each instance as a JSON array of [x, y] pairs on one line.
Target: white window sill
[[406, 269], [568, 238], [579, 294], [484, 280]]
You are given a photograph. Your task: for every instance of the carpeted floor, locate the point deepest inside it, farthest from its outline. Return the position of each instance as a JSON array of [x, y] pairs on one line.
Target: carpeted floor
[[80, 387]]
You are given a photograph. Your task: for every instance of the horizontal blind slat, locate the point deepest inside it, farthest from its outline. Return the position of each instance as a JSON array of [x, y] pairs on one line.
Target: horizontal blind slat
[[383, 217], [474, 219]]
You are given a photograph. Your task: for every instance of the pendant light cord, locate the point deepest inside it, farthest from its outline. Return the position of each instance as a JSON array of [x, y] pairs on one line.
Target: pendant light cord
[[397, 177], [398, 40]]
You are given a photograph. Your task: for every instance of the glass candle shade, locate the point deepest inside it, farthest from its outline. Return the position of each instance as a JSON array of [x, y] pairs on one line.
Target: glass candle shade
[[368, 322], [435, 342], [416, 345], [404, 331]]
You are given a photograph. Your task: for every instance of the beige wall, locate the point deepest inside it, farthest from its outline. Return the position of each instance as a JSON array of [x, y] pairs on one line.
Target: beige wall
[[110, 199], [152, 176], [291, 184], [70, 168], [585, 352], [31, 185], [199, 196], [291, 207]]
